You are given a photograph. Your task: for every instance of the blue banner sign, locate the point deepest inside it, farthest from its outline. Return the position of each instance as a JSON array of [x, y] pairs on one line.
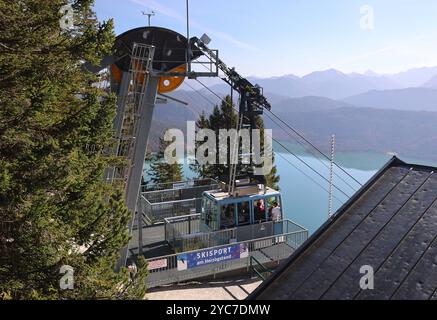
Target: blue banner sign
[[212, 256]]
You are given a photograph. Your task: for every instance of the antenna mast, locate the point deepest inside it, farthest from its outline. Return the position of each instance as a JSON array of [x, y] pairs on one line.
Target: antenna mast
[[149, 15]]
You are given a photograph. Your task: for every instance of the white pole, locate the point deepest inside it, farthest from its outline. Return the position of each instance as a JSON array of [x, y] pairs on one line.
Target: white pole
[[188, 36], [331, 176]]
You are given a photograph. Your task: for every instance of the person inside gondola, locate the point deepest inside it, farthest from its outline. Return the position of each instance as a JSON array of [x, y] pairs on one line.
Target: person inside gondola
[[259, 211], [276, 212], [228, 217], [243, 214]]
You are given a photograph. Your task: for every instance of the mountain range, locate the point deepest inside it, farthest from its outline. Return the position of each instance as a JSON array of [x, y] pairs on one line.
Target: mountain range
[[432, 83], [367, 112], [335, 84], [413, 99]]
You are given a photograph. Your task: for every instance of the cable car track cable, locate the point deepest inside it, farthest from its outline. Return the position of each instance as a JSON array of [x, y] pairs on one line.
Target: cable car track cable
[[284, 147], [302, 137], [315, 156]]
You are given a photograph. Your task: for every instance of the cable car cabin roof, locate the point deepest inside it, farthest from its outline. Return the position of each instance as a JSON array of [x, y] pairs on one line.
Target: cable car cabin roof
[[223, 198]]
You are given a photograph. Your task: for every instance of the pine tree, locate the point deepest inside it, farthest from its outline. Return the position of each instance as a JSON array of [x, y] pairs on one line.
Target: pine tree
[[162, 172], [272, 179], [222, 117], [225, 117], [55, 208]]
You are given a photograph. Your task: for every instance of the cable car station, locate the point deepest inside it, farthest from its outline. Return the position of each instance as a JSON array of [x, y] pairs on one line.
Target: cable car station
[[174, 224]]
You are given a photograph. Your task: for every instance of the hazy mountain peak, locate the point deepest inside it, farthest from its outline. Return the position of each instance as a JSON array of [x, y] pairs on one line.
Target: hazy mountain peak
[[415, 77], [371, 73], [286, 76], [325, 75], [415, 99], [291, 76], [432, 83], [334, 84], [325, 72]]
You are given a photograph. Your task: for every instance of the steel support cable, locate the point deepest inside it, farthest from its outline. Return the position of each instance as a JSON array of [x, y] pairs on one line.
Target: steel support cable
[[198, 92], [280, 155], [307, 141], [284, 147], [311, 168], [312, 153], [307, 176], [299, 142], [313, 146]]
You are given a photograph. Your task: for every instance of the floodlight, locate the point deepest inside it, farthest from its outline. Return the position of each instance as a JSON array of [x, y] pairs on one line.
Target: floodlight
[[205, 39]]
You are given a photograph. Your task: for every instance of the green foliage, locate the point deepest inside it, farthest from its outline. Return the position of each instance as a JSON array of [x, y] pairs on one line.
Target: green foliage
[[54, 127], [161, 171], [225, 117]]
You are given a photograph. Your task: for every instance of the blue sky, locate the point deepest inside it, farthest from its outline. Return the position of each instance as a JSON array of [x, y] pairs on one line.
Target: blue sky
[[277, 37]]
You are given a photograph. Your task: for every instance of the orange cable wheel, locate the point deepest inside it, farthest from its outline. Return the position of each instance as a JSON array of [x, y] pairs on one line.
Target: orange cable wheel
[[169, 84], [116, 73]]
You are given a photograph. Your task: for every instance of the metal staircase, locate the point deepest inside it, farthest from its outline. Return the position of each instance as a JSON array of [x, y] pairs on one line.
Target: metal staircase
[[258, 269], [139, 75]]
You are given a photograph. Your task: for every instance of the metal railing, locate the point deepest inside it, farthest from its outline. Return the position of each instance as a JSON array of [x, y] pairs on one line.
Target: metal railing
[[172, 185], [206, 66], [164, 270], [185, 233], [202, 241], [174, 199], [157, 212], [258, 268], [176, 194], [163, 195], [177, 227]]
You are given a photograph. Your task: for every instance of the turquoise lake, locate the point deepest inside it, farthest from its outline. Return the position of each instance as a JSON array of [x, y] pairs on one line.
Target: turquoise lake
[[304, 201]]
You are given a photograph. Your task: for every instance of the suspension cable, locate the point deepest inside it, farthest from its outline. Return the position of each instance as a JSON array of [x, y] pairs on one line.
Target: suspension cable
[[315, 156], [313, 146], [303, 138], [292, 153], [306, 175], [280, 155]]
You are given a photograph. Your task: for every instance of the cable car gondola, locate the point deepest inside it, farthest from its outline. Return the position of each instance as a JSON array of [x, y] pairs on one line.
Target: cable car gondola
[[252, 204]]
